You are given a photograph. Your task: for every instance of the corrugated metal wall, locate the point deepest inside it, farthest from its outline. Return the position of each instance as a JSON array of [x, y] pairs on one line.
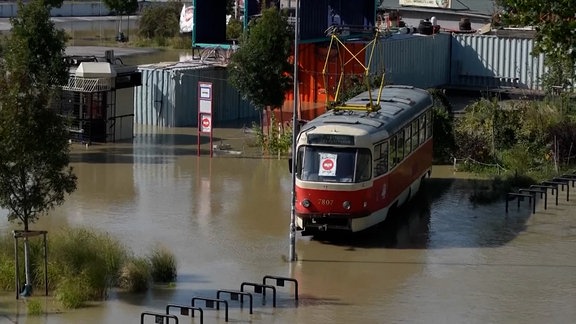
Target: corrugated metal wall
[[416, 60], [491, 61], [168, 97]]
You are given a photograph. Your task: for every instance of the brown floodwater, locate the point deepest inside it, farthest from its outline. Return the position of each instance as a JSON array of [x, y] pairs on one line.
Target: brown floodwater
[[439, 260]]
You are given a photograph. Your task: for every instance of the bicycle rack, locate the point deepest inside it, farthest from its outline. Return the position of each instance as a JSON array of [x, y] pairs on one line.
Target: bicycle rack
[[518, 197], [546, 187], [210, 304], [185, 310], [280, 283], [261, 289], [542, 192], [158, 317], [236, 295]]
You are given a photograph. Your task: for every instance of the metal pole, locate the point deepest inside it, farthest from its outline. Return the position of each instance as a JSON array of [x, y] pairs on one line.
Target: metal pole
[[292, 256]]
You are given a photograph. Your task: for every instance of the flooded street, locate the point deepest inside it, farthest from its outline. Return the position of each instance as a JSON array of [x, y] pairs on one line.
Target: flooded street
[[440, 260]]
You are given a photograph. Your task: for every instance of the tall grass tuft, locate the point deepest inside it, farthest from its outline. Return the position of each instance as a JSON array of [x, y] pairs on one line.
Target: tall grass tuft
[[163, 265], [7, 265], [135, 275], [34, 307], [91, 257], [73, 291]]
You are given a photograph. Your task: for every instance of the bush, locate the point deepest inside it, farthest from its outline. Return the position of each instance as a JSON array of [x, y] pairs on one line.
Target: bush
[[73, 291], [96, 256], [160, 21], [7, 267], [135, 275], [180, 42], [162, 265], [34, 307]]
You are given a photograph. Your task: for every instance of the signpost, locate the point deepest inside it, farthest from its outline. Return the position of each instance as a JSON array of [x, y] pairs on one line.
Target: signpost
[[204, 112]]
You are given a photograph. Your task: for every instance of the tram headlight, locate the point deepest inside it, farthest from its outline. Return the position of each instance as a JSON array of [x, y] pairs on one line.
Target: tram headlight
[[346, 204], [306, 203]]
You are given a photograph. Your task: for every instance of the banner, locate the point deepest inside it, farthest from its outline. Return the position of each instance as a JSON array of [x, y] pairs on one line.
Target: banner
[[427, 3], [187, 19]]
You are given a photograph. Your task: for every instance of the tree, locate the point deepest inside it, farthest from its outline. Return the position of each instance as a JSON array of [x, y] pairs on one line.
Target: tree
[[34, 169], [555, 24], [160, 21], [260, 69], [122, 7]]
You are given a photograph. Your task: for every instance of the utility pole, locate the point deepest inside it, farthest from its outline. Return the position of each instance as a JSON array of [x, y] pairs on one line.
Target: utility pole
[[292, 256]]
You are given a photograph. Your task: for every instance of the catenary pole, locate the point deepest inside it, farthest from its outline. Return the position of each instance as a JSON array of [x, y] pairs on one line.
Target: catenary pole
[[292, 256]]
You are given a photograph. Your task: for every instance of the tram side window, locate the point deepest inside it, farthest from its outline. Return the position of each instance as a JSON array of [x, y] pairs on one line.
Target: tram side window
[[393, 151], [407, 140], [422, 122], [400, 147], [414, 134], [377, 149], [363, 166], [429, 124], [382, 159]]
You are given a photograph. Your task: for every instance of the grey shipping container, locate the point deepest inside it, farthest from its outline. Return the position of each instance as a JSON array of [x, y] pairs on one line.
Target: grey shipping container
[[168, 96], [486, 61], [416, 60]]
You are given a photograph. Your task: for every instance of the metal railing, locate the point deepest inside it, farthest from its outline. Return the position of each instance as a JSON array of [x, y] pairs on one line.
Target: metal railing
[[81, 84]]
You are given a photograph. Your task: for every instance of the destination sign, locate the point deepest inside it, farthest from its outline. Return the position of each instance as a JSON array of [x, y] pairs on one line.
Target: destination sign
[[330, 139]]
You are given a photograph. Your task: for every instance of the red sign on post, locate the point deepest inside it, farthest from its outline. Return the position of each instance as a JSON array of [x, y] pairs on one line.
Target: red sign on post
[[204, 112]]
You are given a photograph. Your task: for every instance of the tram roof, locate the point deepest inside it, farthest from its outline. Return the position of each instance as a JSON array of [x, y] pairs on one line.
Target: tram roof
[[398, 105]]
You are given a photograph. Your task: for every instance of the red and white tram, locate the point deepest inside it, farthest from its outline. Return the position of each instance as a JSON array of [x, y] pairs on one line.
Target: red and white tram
[[354, 165]]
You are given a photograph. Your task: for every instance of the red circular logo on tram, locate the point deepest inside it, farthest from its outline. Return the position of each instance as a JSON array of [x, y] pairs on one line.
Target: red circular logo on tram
[[205, 122], [328, 164]]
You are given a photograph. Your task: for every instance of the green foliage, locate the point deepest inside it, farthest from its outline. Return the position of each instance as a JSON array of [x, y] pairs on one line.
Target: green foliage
[[34, 307], [444, 143], [518, 159], [180, 42], [554, 23], [278, 141], [34, 169], [234, 29], [259, 69], [122, 7], [474, 132], [96, 257], [160, 21], [35, 49], [135, 275], [162, 265], [7, 268], [71, 291]]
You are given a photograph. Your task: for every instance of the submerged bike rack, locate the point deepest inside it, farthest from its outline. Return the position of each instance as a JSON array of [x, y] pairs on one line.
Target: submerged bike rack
[[234, 295], [210, 302], [158, 317], [556, 185], [186, 310], [214, 303]]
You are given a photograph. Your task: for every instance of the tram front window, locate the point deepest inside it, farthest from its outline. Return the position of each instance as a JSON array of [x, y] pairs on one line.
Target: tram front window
[[328, 164]]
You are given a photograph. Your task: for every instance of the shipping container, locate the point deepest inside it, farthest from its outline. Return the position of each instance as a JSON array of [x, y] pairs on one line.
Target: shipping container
[[168, 96], [413, 59], [486, 61]]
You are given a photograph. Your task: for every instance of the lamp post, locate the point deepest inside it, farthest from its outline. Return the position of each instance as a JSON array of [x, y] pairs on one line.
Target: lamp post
[[292, 256]]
